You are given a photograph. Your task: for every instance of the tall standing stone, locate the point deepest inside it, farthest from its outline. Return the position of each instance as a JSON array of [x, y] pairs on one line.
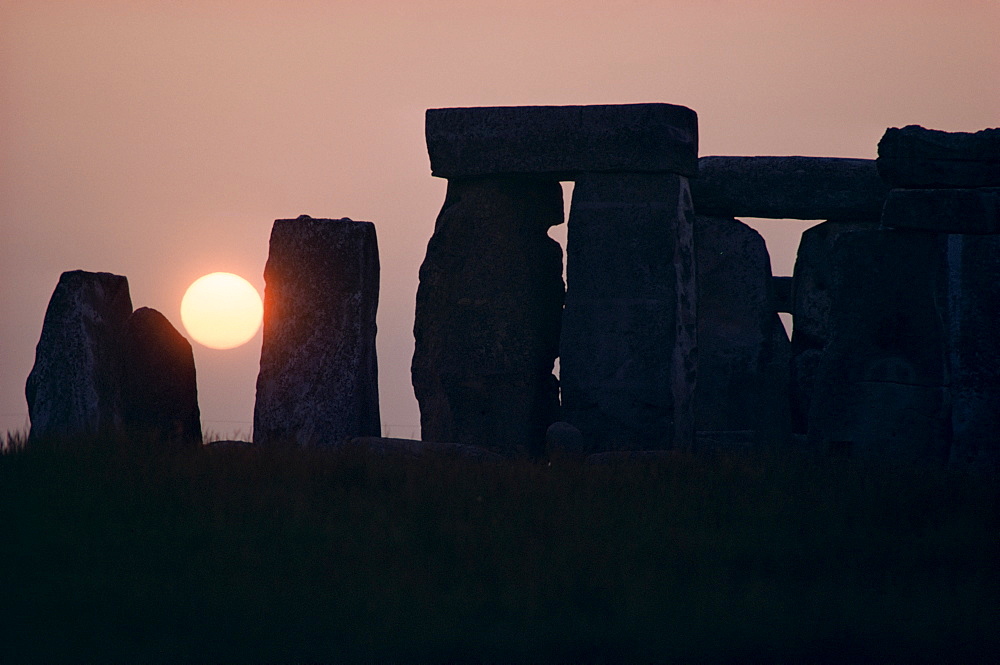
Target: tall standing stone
[[629, 327], [743, 350], [159, 387], [488, 315], [73, 387], [318, 381]]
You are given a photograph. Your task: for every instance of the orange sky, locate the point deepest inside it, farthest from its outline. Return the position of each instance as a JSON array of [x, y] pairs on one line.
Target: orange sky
[[159, 140]]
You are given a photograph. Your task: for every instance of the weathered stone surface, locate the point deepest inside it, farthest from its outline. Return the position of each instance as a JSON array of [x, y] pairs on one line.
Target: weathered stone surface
[[159, 389], [562, 140], [811, 284], [564, 440], [318, 381], [881, 386], [914, 157], [73, 387], [617, 457], [970, 211], [789, 188], [782, 287], [974, 350], [742, 355], [488, 316], [629, 327]]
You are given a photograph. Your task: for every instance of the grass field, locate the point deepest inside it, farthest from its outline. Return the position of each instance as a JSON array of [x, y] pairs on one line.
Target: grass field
[[119, 550]]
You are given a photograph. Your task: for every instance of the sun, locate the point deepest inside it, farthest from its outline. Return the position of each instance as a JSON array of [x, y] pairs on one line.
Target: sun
[[221, 310]]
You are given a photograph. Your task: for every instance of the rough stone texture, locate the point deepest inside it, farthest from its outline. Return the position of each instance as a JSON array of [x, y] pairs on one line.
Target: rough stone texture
[[318, 381], [159, 389], [743, 350], [789, 188], [811, 284], [974, 350], [782, 287], [881, 386], [618, 457], [562, 140], [970, 211], [629, 327], [918, 158], [73, 387], [488, 316]]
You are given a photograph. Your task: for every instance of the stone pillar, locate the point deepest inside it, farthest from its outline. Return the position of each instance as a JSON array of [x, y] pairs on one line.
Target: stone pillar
[[318, 381], [629, 327], [73, 387], [159, 387], [488, 315], [743, 354], [882, 383]]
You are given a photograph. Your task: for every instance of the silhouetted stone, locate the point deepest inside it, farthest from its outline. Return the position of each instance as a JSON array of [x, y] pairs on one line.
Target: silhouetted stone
[[972, 211], [742, 346], [615, 457], [629, 327], [488, 315], [782, 287], [918, 158], [159, 389], [881, 385], [73, 387], [318, 381], [562, 140], [789, 187], [562, 439], [811, 284], [974, 350]]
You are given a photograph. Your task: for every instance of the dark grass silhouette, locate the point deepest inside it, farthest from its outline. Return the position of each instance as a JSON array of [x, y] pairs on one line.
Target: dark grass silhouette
[[122, 550]]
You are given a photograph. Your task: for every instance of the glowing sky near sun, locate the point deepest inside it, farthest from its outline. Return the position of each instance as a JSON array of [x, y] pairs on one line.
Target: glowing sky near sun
[[161, 140]]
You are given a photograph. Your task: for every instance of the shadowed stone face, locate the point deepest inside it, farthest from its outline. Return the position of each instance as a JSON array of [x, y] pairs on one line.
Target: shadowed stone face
[[629, 329], [916, 158], [73, 387], [159, 388], [318, 381], [488, 315]]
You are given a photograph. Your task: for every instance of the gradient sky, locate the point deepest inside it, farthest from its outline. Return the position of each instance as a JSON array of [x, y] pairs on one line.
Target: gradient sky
[[159, 140]]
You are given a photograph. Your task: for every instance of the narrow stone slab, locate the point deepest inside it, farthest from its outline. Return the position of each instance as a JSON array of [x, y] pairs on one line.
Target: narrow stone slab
[[629, 327], [561, 141], [967, 211], [318, 381], [74, 385], [159, 387], [742, 346], [487, 317], [811, 298], [788, 188], [917, 158]]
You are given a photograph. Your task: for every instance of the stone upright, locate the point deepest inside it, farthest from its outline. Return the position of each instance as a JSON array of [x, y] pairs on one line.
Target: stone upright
[[318, 381]]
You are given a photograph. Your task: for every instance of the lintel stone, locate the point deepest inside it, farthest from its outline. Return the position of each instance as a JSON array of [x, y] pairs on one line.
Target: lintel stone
[[789, 188], [967, 211], [562, 141]]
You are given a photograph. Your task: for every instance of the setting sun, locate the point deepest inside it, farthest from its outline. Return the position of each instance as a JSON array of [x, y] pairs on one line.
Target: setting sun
[[221, 310]]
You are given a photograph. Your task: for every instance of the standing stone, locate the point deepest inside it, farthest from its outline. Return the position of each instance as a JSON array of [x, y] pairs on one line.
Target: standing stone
[[159, 389], [488, 315], [318, 381], [974, 350], [881, 386], [73, 387], [629, 327], [970, 211], [742, 346], [811, 285]]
